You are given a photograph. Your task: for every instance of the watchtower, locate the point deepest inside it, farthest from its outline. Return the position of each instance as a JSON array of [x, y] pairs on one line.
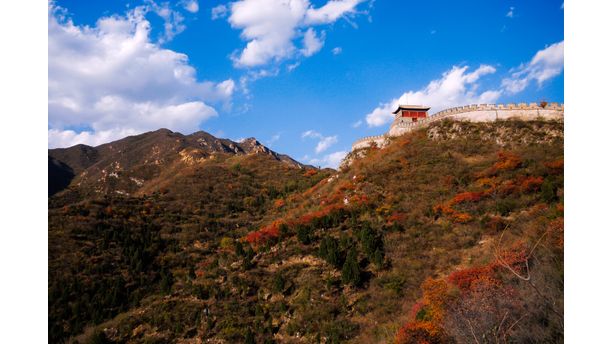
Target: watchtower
[[411, 112]]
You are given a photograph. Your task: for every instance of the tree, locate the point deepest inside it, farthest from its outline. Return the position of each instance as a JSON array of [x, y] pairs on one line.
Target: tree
[[303, 234], [248, 257], [371, 242], [239, 249], [329, 251], [379, 258], [548, 191], [351, 274], [249, 337], [279, 282], [192, 274], [167, 280]]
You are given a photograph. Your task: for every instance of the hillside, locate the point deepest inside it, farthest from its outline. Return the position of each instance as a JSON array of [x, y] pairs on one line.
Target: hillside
[[450, 233]]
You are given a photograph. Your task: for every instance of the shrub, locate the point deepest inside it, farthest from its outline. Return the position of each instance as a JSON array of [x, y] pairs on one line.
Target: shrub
[[226, 243], [505, 206], [98, 337]]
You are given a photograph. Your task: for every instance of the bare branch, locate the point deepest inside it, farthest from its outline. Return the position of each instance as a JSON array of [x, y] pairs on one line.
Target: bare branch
[[472, 331]]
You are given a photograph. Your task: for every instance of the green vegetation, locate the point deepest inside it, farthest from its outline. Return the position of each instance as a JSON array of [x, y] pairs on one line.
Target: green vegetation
[[249, 250]]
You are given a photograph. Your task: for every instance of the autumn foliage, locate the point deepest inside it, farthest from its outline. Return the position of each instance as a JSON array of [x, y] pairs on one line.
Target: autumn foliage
[[467, 197], [468, 290], [507, 161], [446, 208], [310, 172], [265, 234]]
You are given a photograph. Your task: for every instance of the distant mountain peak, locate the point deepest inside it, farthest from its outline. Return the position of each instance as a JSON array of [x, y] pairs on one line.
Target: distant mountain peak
[[149, 157]]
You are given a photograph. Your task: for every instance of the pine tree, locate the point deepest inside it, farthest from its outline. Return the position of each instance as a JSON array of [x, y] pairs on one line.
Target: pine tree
[[249, 338], [167, 280], [303, 234], [379, 258], [279, 283], [329, 251], [351, 274], [192, 274], [239, 249]]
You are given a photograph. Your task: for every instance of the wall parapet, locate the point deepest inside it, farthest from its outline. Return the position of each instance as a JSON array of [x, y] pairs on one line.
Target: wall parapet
[[366, 141], [472, 112]]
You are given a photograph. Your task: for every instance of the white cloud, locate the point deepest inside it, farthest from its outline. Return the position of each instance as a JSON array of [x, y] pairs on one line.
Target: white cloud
[[311, 134], [337, 50], [312, 43], [455, 87], [293, 66], [331, 160], [66, 138], [273, 139], [114, 81], [173, 20], [545, 64], [510, 13], [324, 141], [331, 11], [357, 124], [219, 11], [191, 6], [270, 27]]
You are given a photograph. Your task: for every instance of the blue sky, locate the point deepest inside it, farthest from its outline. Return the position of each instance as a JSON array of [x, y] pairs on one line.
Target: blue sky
[[306, 78]]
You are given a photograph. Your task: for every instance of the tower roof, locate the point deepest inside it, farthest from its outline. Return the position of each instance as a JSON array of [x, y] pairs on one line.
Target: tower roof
[[411, 107]]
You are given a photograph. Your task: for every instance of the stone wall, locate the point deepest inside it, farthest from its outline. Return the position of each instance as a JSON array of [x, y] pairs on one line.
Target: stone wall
[[365, 142], [475, 113]]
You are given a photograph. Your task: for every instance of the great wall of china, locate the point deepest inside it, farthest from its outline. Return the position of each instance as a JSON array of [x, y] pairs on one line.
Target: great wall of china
[[475, 113]]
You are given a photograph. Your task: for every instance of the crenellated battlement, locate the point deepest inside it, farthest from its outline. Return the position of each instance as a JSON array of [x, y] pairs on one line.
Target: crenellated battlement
[[368, 140], [473, 112]]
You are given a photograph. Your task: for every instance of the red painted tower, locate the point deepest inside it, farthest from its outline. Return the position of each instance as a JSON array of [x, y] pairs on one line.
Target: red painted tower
[[411, 112]]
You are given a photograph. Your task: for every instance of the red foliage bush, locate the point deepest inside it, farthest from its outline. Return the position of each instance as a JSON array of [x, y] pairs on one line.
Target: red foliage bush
[[419, 333], [279, 203], [265, 234], [467, 197], [480, 291], [555, 166], [507, 161], [461, 217], [310, 172], [396, 217], [556, 229], [507, 187], [427, 328], [531, 184], [469, 279]]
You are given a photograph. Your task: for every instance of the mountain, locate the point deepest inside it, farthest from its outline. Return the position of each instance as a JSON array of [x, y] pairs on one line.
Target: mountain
[[141, 163], [60, 175], [450, 232]]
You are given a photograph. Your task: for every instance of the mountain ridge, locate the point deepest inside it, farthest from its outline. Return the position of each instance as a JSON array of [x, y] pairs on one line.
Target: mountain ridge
[[144, 157]]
